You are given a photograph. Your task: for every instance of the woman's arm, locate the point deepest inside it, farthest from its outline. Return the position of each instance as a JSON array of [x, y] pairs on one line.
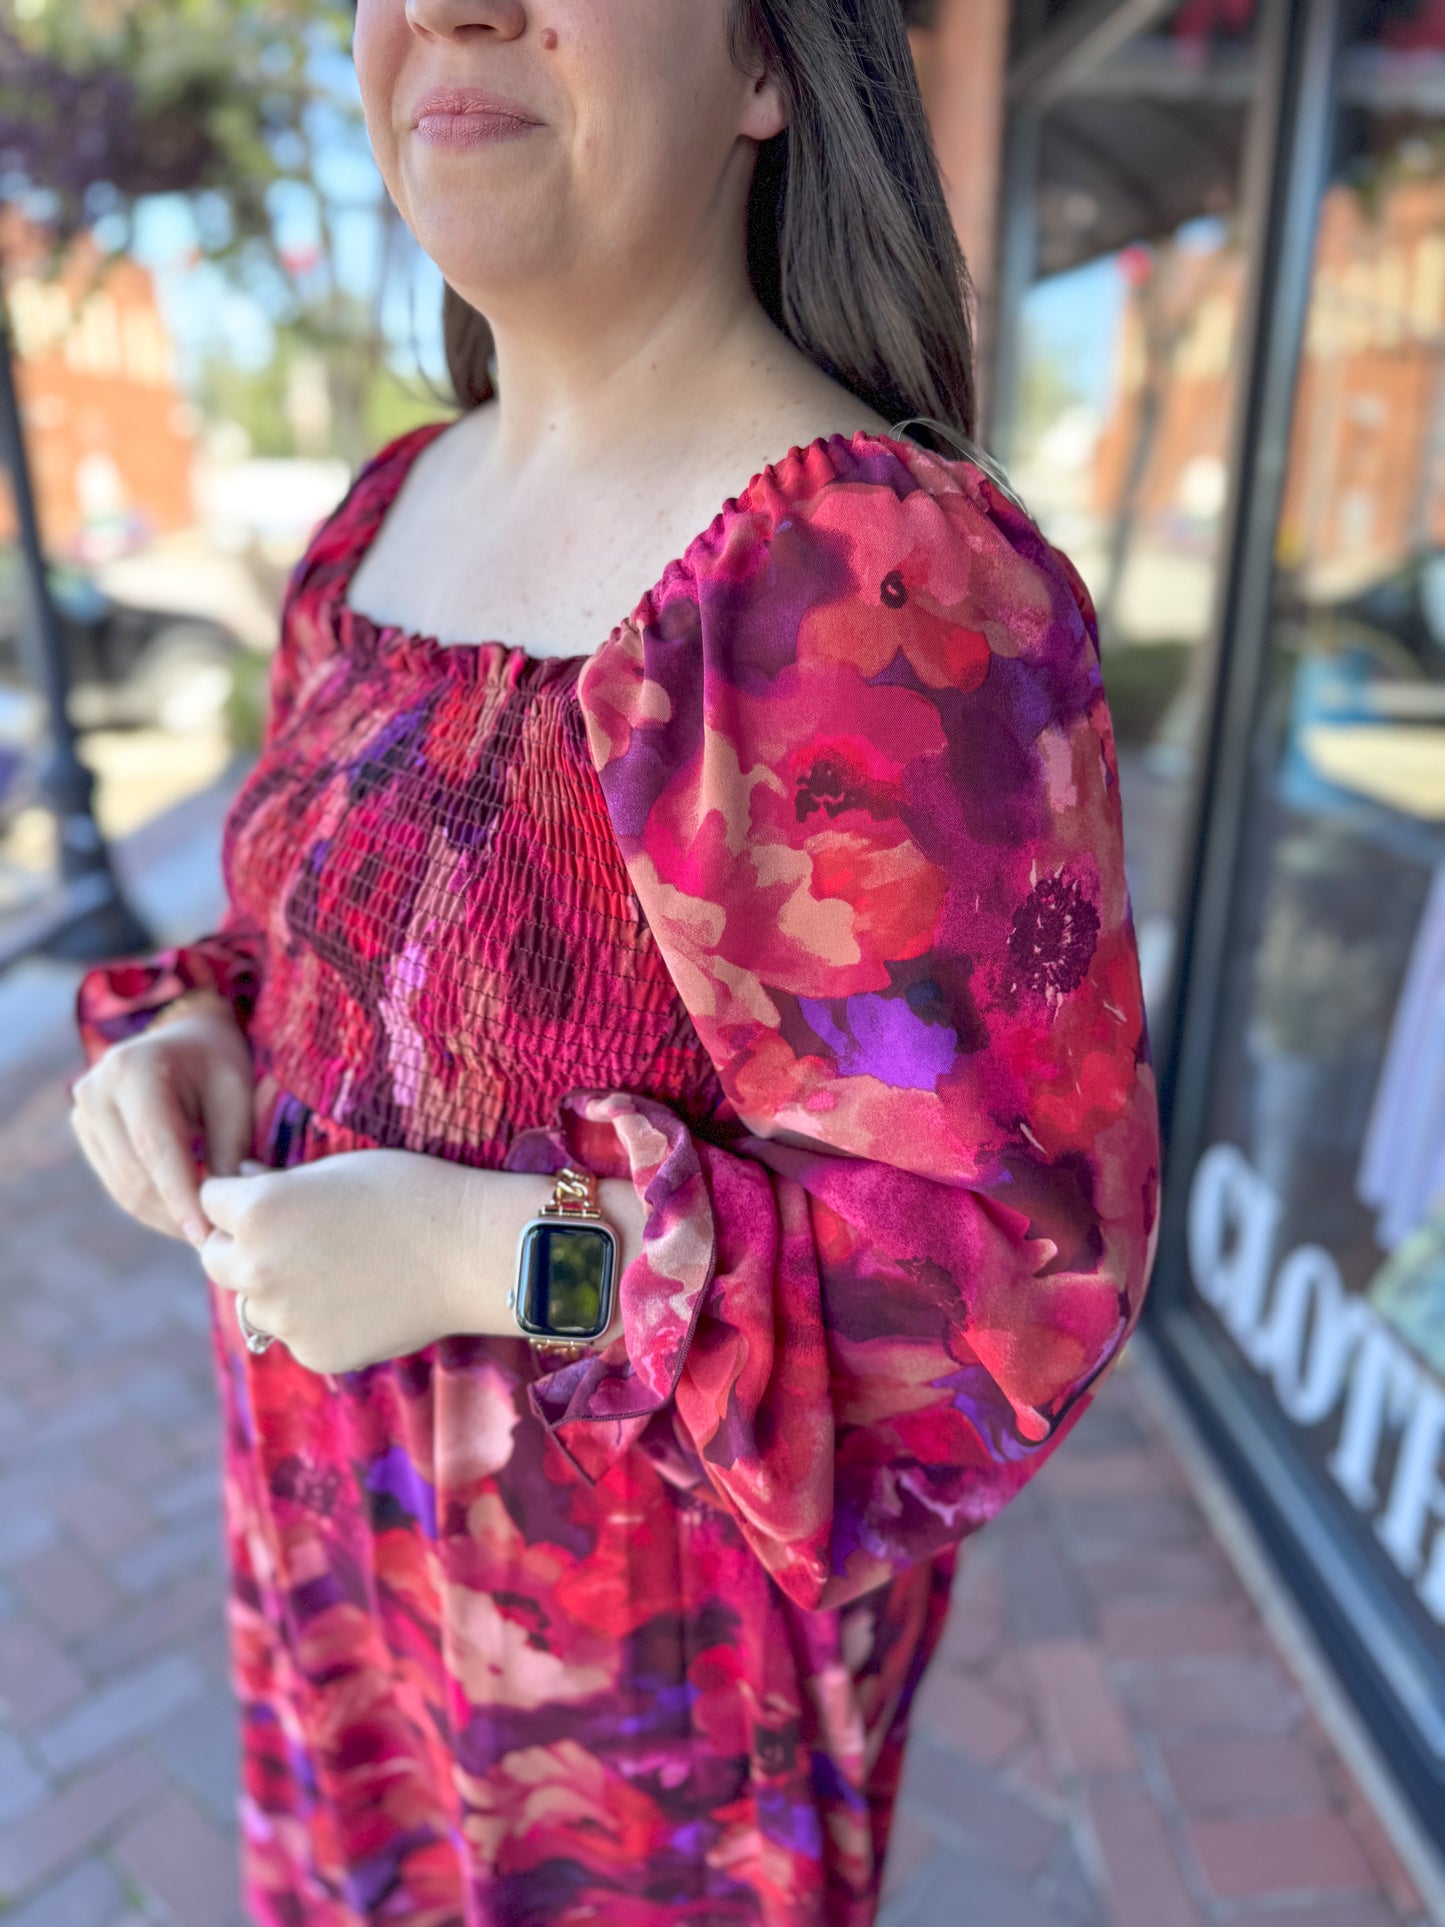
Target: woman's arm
[[371, 1255], [176, 1102], [860, 768]]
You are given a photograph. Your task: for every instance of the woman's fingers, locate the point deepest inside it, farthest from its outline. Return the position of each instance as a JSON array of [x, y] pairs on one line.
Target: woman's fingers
[[222, 1200], [96, 1138], [225, 1262], [137, 1111], [218, 1260], [102, 1136], [227, 1113], [106, 1145], [158, 1132]]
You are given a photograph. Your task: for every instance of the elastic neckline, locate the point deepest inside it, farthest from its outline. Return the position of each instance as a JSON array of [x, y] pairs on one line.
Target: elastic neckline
[[489, 657]]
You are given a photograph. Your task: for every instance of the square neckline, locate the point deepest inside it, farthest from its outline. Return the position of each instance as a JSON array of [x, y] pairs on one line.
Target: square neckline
[[418, 648]]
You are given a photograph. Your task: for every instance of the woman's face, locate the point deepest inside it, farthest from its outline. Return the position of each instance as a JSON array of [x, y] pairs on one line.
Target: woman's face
[[633, 157]]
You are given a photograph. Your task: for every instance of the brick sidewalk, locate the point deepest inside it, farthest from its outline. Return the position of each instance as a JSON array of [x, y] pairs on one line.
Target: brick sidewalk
[[1108, 1736]]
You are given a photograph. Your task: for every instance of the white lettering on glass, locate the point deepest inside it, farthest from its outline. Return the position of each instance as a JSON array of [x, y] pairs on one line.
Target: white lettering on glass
[[1381, 1387], [1321, 1349], [1233, 1216]]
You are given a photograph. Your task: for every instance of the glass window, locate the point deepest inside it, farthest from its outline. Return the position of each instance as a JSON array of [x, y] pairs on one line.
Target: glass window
[[1126, 392], [1317, 1213]]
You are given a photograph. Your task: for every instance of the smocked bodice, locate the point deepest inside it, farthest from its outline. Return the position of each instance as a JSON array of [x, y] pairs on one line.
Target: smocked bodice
[[452, 939]]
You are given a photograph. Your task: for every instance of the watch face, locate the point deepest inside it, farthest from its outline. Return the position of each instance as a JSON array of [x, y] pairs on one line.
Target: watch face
[[567, 1275]]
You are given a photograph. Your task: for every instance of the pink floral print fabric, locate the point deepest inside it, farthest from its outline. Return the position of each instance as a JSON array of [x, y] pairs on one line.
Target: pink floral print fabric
[[858, 759], [802, 903]]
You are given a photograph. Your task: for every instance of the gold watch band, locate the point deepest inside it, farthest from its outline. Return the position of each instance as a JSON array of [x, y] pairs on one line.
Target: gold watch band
[[574, 1195]]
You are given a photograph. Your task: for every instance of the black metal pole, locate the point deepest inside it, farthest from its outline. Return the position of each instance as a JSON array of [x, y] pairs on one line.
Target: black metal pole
[[91, 919]]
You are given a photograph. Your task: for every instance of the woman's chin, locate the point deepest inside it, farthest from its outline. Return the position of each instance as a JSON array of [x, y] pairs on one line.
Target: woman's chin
[[489, 275]]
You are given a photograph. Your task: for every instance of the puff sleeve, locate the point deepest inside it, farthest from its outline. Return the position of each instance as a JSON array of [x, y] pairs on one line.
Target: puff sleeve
[[858, 760]]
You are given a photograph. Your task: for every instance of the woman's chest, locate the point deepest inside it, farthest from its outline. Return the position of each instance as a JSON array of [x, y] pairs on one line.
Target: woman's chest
[[549, 580], [451, 929]]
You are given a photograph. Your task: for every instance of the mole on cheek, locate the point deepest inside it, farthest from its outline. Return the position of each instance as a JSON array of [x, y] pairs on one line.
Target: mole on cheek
[[549, 39]]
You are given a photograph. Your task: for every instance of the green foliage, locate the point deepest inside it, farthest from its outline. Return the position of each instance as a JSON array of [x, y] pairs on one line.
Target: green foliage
[[215, 99], [253, 397], [1141, 679], [394, 404], [247, 704], [1048, 388], [229, 102]]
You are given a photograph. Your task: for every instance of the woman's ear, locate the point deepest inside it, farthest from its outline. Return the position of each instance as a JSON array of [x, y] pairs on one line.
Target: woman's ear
[[765, 111]]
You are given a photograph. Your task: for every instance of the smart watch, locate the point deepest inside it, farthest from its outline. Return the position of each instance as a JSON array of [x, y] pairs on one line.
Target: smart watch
[[567, 1268]]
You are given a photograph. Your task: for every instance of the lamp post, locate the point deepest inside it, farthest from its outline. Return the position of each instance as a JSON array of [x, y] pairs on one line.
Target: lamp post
[[90, 918]]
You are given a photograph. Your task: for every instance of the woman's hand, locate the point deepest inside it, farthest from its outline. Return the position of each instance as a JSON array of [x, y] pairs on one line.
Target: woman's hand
[[137, 1108], [370, 1255]]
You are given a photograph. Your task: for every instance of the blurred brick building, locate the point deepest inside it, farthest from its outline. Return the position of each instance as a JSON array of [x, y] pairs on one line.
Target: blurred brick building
[[111, 436], [1363, 490]]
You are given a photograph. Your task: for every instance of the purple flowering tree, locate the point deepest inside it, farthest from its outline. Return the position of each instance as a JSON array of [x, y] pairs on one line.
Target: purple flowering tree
[[235, 104], [101, 103]]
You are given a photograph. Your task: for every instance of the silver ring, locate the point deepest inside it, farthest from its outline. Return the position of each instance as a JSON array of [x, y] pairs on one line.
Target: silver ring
[[256, 1341]]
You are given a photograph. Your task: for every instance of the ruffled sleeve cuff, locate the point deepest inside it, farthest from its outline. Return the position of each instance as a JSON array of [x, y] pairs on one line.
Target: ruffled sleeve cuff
[[595, 1406], [117, 999]]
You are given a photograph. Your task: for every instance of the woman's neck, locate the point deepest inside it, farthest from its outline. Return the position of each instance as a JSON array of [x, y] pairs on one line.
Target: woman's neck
[[656, 374]]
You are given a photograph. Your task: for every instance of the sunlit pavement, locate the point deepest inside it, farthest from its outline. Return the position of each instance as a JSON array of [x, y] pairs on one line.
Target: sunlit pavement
[[1109, 1734], [140, 774]]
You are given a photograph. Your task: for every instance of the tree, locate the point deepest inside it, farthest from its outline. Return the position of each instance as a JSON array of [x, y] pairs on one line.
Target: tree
[[232, 103], [103, 102]]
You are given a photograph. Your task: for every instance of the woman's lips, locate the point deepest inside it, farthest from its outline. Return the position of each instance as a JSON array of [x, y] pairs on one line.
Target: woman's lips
[[475, 128]]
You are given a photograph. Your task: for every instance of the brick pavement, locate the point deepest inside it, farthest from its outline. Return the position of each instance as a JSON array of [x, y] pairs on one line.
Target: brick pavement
[[1107, 1739], [1110, 1738]]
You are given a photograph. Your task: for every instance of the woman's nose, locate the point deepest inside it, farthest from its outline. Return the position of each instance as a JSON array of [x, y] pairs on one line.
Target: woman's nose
[[456, 19]]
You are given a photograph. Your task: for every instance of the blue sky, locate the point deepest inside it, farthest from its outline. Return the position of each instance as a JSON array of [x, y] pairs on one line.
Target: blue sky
[[1073, 319], [206, 311]]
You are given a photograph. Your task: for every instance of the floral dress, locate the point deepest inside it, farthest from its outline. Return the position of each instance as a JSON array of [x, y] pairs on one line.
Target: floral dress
[[801, 902]]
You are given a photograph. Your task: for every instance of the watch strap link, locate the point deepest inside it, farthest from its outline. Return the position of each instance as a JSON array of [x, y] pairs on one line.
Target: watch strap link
[[574, 1195]]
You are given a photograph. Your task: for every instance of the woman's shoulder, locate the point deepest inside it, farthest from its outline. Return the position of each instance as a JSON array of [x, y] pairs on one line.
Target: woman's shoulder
[[862, 590], [877, 536], [374, 483], [307, 624]]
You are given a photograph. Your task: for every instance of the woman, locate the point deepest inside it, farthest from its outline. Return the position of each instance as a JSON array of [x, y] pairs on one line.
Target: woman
[[791, 907]]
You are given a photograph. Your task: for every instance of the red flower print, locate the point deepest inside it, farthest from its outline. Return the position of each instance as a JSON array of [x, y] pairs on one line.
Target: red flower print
[[919, 606], [802, 908]]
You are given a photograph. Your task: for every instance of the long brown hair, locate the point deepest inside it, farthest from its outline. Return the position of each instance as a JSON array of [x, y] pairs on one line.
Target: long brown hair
[[851, 250]]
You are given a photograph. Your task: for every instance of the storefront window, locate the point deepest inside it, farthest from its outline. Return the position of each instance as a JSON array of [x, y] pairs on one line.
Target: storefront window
[[1316, 1216], [1126, 391]]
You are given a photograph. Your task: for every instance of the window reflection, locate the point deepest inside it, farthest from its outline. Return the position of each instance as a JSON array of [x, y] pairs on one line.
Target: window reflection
[[1127, 391], [1317, 1217]]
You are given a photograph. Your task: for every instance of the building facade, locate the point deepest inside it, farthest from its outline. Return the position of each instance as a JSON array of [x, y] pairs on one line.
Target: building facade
[[1213, 276], [110, 433]]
